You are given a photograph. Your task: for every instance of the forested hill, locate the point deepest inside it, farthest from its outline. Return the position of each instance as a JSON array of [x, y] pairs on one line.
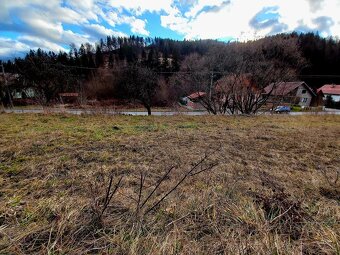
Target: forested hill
[[322, 55], [323, 59]]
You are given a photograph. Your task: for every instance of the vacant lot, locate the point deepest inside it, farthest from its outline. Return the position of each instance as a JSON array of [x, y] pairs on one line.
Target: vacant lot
[[268, 185]]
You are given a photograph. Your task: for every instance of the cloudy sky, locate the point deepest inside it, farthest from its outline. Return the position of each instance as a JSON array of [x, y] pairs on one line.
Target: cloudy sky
[[55, 24]]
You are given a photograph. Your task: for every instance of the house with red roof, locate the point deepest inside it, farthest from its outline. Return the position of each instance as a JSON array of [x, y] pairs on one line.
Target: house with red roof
[[330, 90], [193, 100], [297, 92]]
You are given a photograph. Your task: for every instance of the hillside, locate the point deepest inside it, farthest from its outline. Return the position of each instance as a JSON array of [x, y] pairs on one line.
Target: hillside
[[172, 69]]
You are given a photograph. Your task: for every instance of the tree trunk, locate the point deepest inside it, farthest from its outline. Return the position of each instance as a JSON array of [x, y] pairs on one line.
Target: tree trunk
[[149, 109]]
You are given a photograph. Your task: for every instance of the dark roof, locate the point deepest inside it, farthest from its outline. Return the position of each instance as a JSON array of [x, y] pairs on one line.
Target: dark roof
[[330, 89], [284, 88]]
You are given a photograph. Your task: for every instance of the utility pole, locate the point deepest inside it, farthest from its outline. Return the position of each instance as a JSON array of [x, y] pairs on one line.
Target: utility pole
[[211, 84], [6, 85]]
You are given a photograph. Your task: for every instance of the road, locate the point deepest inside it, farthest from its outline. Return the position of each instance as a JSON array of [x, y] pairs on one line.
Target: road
[[104, 111], [140, 113]]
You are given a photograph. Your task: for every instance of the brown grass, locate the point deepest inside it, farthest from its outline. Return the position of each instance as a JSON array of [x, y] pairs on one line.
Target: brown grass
[[273, 190]]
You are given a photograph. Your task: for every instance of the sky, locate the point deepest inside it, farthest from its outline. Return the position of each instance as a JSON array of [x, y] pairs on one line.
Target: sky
[[55, 24]]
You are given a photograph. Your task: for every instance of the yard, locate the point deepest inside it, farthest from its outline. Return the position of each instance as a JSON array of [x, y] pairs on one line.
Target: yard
[[258, 185]]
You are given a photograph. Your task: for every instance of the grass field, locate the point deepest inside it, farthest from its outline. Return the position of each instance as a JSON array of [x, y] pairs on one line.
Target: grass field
[[269, 186]]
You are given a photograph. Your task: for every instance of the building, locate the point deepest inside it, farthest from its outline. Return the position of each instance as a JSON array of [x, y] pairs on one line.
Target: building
[[193, 100], [296, 93], [330, 90]]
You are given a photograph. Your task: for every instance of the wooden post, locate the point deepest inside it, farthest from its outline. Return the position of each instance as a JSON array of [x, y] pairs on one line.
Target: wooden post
[[211, 84]]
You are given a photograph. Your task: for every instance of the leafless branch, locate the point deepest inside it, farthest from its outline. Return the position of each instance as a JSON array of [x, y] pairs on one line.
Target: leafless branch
[[189, 173], [159, 182]]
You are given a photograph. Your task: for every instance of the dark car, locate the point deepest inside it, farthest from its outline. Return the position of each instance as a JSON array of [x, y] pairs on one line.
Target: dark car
[[282, 109]]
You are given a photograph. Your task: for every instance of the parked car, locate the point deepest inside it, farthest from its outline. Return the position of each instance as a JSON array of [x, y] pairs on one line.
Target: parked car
[[282, 109]]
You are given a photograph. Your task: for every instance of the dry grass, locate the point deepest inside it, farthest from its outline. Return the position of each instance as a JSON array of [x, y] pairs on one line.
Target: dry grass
[[273, 191]]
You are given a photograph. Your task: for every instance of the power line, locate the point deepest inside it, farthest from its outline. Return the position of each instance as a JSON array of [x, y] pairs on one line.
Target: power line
[[97, 68], [190, 72], [201, 72], [73, 67]]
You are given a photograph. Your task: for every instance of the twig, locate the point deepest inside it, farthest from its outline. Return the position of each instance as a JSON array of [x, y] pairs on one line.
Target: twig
[[107, 193], [205, 169], [172, 222], [142, 178], [157, 185], [179, 183], [282, 214], [109, 197]]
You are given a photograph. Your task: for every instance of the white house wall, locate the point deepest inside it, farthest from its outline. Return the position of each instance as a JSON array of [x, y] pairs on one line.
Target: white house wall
[[306, 95]]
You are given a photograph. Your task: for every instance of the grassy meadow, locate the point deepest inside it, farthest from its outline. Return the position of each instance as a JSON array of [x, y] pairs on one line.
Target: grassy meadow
[[98, 184]]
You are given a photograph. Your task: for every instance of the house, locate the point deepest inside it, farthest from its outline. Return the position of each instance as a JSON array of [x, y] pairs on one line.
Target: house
[[23, 93], [17, 90], [193, 100], [330, 90], [297, 92]]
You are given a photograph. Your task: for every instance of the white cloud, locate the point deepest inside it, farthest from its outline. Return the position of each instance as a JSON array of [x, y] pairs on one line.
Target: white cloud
[[89, 9], [112, 18], [293, 17], [220, 19], [201, 4], [40, 23], [99, 31], [60, 22], [138, 7], [43, 27], [137, 25], [36, 42], [176, 23], [11, 48], [77, 39]]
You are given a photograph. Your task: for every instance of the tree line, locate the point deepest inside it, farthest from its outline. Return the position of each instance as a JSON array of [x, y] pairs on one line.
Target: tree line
[[158, 71]]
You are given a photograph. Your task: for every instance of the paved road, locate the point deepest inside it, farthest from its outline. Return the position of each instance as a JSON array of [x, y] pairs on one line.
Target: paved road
[[109, 112], [156, 113]]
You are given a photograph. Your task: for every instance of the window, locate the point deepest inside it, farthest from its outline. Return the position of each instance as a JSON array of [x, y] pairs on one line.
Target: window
[[304, 91], [304, 100]]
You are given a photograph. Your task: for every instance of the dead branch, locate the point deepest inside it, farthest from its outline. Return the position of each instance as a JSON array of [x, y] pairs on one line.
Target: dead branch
[[158, 183], [189, 173], [109, 196], [99, 208]]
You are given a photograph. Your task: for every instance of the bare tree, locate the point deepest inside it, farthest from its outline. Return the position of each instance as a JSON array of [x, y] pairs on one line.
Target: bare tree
[[233, 77], [267, 62], [140, 83], [194, 78]]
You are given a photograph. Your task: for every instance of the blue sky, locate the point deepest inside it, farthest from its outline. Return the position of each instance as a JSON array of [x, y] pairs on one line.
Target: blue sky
[[55, 24]]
